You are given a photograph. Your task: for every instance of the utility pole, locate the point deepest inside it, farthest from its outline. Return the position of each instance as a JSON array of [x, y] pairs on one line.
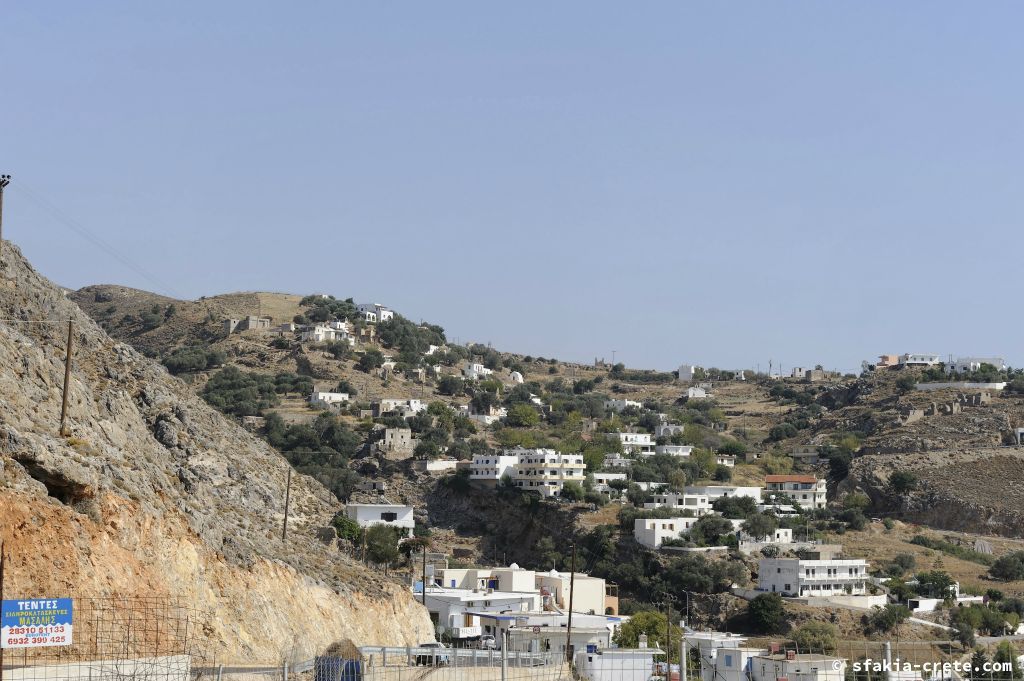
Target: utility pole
[[423, 593], [287, 500], [568, 629], [67, 381], [4, 181]]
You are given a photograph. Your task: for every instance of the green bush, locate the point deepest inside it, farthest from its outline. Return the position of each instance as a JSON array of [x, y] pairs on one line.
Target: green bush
[[1009, 567], [233, 391], [766, 613], [193, 358]]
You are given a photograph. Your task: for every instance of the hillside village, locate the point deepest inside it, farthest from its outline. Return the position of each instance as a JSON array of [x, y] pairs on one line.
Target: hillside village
[[477, 461]]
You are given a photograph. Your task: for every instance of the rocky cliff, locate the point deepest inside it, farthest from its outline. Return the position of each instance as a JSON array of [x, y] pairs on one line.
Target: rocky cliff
[[153, 492]]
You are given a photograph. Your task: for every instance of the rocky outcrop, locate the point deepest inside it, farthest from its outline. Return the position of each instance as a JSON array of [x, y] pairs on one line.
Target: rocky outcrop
[[154, 492]]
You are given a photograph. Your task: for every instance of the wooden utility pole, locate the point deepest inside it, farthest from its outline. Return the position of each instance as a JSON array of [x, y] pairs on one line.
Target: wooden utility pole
[[67, 380], [568, 628], [4, 181], [287, 500]]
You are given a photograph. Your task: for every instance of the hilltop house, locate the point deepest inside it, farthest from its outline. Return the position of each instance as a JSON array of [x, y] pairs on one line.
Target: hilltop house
[[473, 371], [325, 334], [682, 451], [375, 313], [806, 491], [713, 492], [696, 393], [698, 504], [398, 406], [688, 371], [397, 440], [602, 481], [964, 365], [668, 430], [918, 360]]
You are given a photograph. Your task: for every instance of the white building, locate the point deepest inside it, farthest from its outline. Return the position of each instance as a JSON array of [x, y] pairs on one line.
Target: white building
[[620, 405], [652, 532], [635, 443], [968, 364], [668, 430], [815, 577], [321, 398], [696, 393], [698, 504], [713, 492], [375, 312], [725, 460], [688, 371], [781, 535], [403, 407], [325, 334], [681, 451], [602, 481], [915, 360], [806, 491], [617, 461], [794, 667], [546, 471], [489, 469], [393, 515], [515, 377], [459, 611], [475, 370], [616, 664], [591, 595]]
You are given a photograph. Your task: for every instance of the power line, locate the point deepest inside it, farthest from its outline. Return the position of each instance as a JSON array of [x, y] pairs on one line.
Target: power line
[[92, 238]]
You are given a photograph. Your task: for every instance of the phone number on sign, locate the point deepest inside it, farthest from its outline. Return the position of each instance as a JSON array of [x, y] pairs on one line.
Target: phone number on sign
[[29, 640], [22, 631]]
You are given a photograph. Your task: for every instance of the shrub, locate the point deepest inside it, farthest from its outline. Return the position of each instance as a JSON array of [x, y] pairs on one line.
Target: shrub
[[902, 482], [193, 358], [766, 613], [816, 637], [233, 391], [1009, 567], [887, 618]]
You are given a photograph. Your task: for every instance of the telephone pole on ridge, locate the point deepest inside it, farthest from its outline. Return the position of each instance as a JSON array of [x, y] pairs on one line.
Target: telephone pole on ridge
[[4, 181]]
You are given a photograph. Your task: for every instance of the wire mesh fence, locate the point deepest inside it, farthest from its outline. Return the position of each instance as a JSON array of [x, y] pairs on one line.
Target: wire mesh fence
[[153, 638]]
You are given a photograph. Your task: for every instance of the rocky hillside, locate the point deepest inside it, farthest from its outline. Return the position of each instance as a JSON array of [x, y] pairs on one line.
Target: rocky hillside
[[154, 492]]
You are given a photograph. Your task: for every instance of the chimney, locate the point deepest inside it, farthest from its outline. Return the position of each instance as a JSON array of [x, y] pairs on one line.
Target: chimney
[[642, 641], [790, 654]]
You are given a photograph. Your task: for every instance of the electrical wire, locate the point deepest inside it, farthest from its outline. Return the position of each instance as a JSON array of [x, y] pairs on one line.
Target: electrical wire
[[77, 227]]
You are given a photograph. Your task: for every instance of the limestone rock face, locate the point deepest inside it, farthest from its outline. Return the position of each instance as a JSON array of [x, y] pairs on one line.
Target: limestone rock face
[[154, 492]]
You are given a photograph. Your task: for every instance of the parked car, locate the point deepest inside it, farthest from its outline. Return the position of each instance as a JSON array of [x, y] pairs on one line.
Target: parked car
[[487, 642], [436, 654]]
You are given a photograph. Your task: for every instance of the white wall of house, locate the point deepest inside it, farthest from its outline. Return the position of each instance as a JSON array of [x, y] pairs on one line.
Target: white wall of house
[[490, 468], [966, 364], [325, 399], [682, 451], [912, 359], [806, 491], [687, 371], [394, 515], [713, 492], [616, 664], [652, 532], [807, 667], [823, 578], [620, 405]]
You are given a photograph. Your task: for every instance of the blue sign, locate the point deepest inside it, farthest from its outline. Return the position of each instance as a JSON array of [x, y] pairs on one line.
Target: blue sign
[[35, 622]]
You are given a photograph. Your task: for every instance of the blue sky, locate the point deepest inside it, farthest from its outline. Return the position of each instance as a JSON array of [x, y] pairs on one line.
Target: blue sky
[[718, 183]]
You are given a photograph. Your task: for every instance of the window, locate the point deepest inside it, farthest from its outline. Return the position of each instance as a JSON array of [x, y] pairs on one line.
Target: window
[[389, 516]]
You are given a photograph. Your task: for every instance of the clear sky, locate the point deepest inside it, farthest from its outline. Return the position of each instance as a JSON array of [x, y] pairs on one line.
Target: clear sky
[[717, 183]]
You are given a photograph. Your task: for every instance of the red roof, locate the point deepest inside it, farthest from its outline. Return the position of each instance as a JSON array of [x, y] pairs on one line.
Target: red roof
[[790, 478]]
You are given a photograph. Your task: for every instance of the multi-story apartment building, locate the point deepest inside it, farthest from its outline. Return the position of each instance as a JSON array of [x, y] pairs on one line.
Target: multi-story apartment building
[[546, 471], [813, 577], [806, 491]]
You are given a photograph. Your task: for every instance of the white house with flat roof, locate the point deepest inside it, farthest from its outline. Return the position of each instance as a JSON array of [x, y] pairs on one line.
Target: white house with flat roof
[[459, 610], [668, 430], [546, 471], [797, 667], [617, 461], [652, 532], [602, 481], [919, 360], [682, 451], [696, 393], [620, 405], [473, 371], [635, 443], [322, 398], [616, 664], [962, 365], [688, 371], [713, 492], [814, 577], [698, 504], [375, 312], [806, 491], [489, 469], [392, 515]]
